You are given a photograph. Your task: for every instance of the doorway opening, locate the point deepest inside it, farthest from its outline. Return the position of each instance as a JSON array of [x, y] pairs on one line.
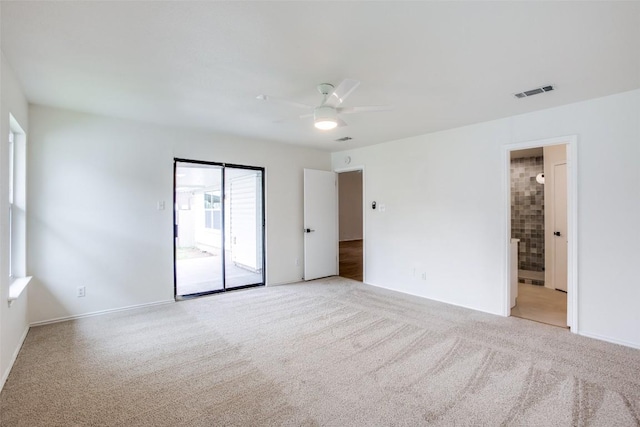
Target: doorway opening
[[351, 225], [541, 219], [218, 227]]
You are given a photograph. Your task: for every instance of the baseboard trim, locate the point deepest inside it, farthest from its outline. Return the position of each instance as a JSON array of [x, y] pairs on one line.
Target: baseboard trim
[[435, 299], [584, 334], [98, 313], [290, 282], [610, 340], [6, 373]]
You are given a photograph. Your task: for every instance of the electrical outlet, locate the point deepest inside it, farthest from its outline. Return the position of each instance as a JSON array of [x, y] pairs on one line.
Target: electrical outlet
[[424, 276], [297, 262], [81, 291]]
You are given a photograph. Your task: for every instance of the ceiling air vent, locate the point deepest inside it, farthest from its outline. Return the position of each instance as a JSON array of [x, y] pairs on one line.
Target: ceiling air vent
[[541, 89], [343, 139]]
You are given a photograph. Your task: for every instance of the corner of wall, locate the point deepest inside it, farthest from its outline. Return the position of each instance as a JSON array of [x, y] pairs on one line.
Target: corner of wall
[[14, 356], [14, 323]]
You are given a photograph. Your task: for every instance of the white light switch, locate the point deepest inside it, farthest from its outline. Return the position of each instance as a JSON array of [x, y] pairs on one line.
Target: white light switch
[[161, 205], [383, 207]]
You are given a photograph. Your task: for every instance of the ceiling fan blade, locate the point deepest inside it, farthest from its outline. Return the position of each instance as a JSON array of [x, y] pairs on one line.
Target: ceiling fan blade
[[365, 109], [341, 123], [341, 93], [283, 101], [306, 116]]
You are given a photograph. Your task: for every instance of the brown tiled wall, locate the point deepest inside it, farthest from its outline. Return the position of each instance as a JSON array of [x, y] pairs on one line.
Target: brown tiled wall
[[527, 212]]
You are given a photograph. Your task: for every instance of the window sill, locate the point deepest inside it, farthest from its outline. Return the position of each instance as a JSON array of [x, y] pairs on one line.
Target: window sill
[[17, 286]]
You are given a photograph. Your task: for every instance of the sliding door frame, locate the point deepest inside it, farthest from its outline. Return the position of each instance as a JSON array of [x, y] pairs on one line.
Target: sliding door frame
[[224, 225]]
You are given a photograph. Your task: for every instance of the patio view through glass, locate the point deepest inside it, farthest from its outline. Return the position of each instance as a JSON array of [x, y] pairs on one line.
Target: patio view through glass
[[219, 227]]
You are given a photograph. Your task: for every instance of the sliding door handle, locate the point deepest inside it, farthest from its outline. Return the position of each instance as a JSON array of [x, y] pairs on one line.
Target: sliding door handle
[[309, 230]]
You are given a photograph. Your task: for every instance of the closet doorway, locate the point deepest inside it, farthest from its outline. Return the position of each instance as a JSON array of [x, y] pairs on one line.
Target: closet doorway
[[218, 227]]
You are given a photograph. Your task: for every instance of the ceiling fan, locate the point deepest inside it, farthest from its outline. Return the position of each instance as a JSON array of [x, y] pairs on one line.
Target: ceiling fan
[[325, 115]]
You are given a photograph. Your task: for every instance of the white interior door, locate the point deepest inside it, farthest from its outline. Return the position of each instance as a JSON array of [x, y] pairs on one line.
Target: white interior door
[[560, 226], [320, 224]]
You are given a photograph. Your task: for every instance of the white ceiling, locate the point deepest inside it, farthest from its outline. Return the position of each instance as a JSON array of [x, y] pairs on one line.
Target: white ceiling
[[202, 64]]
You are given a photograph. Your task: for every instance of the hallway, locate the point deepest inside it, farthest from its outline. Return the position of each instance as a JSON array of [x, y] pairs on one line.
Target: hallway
[[541, 304], [351, 265]]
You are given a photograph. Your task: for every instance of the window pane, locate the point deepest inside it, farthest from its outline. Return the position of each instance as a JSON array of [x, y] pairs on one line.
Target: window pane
[[11, 190], [217, 220], [11, 240], [11, 165]]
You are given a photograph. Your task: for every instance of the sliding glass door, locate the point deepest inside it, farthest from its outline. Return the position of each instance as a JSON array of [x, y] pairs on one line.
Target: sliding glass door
[[218, 227], [243, 227]]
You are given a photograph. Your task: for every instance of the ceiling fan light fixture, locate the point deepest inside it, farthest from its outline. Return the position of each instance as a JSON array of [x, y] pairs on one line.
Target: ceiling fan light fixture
[[325, 118], [325, 124]]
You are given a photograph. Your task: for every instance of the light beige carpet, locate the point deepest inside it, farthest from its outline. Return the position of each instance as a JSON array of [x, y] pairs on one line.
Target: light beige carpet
[[332, 352]]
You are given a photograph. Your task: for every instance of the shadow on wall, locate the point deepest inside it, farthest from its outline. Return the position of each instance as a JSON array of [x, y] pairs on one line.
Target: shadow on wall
[[82, 261]]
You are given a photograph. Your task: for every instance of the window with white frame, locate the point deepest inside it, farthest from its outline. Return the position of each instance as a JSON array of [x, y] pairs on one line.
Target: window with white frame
[[212, 212], [17, 198], [16, 164], [12, 137]]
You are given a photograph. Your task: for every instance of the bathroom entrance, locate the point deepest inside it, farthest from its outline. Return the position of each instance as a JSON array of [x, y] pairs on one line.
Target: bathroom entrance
[[538, 195]]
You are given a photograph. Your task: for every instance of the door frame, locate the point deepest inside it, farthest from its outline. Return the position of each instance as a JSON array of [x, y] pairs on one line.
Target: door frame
[[223, 219], [364, 217], [552, 284], [571, 141]]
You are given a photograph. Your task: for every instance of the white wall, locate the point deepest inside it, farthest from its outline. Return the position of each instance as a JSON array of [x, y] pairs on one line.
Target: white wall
[[446, 211], [13, 320], [112, 239]]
